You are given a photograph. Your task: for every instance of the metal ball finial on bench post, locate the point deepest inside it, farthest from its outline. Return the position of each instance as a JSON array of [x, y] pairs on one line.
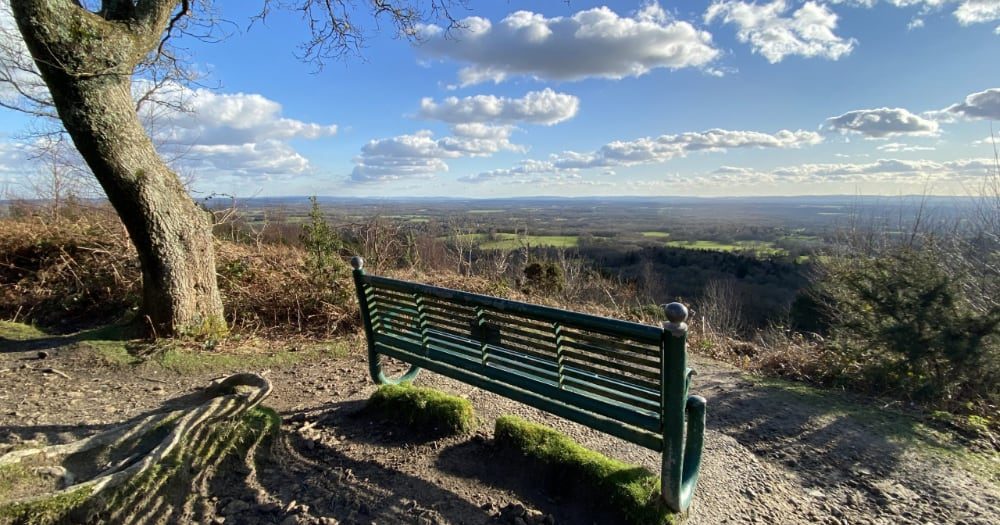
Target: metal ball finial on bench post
[[682, 449]]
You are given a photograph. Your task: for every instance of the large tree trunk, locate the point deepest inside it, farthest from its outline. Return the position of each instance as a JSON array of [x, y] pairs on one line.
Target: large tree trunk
[[87, 63]]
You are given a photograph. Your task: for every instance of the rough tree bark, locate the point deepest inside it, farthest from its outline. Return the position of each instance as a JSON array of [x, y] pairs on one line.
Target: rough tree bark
[[87, 61]]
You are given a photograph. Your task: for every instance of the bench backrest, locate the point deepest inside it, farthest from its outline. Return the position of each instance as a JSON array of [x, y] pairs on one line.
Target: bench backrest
[[605, 373]]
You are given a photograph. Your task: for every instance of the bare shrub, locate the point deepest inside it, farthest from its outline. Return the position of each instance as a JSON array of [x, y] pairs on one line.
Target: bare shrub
[[66, 274], [71, 274], [721, 309]]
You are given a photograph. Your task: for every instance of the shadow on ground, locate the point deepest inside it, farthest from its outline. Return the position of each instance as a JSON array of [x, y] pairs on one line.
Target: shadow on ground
[[824, 439], [42, 341]]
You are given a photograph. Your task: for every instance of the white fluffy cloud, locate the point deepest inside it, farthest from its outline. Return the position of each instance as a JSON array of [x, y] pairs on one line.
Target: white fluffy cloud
[[529, 170], [882, 123], [899, 147], [592, 43], [481, 126], [420, 155], [234, 118], [254, 160], [977, 11], [808, 32], [648, 150], [981, 105], [538, 107], [241, 135], [882, 170], [967, 12]]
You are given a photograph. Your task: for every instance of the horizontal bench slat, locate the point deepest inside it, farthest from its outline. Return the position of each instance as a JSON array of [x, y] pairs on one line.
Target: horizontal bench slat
[[629, 388], [455, 308], [645, 438], [615, 377], [608, 342], [614, 354], [393, 294], [613, 327], [614, 368], [590, 389], [547, 340], [434, 320], [530, 324], [626, 414]]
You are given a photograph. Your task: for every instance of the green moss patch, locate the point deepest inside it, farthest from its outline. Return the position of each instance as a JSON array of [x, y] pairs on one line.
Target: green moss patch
[[19, 331], [423, 408], [633, 490], [187, 360]]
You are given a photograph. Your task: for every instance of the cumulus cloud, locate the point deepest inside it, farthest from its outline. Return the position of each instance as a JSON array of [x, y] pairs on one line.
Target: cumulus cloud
[[420, 155], [648, 150], [981, 105], [977, 11], [526, 171], [882, 170], [592, 43], [537, 107], [899, 147], [481, 126], [889, 170], [255, 160], [242, 135], [881, 123], [967, 12], [231, 118], [808, 32], [416, 155]]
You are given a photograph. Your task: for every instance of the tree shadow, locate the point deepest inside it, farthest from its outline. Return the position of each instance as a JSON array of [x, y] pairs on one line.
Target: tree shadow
[[824, 437], [316, 472], [540, 486], [51, 342]]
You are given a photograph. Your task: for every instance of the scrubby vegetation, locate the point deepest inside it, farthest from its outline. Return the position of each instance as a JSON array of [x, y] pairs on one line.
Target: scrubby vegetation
[[80, 271], [633, 490], [906, 310], [423, 409]]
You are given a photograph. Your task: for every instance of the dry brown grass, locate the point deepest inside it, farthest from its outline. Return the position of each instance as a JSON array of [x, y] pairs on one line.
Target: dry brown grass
[[70, 274], [65, 274]]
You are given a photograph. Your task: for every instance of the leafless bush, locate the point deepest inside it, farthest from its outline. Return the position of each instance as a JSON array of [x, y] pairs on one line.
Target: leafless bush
[[384, 243], [721, 309]]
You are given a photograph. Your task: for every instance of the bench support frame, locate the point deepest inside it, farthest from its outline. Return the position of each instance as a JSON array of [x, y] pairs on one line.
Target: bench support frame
[[682, 416]]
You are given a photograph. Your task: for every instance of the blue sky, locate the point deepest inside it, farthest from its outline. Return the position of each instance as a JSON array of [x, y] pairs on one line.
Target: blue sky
[[601, 98]]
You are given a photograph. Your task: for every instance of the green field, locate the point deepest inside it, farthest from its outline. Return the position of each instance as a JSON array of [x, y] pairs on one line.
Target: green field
[[511, 241], [656, 235], [758, 247]]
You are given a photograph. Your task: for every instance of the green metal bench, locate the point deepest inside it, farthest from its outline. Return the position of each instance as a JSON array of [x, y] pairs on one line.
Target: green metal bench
[[626, 379]]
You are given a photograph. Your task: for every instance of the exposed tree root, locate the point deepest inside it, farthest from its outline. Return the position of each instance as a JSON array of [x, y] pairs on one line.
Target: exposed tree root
[[117, 475]]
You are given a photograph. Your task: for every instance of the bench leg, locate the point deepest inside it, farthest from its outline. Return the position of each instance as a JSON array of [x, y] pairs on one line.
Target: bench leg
[[678, 481], [374, 358], [375, 369]]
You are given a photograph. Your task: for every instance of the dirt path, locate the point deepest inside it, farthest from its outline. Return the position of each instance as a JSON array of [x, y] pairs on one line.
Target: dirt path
[[773, 454]]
